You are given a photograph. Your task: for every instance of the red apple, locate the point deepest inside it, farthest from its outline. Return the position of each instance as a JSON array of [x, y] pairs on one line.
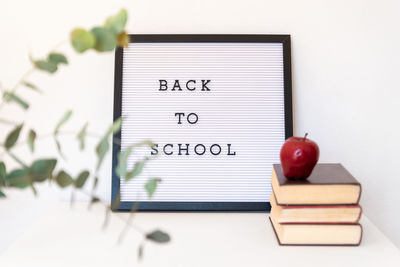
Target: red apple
[[299, 155]]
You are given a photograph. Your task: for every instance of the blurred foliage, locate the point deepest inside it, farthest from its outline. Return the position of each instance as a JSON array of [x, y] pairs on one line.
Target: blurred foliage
[[101, 39]]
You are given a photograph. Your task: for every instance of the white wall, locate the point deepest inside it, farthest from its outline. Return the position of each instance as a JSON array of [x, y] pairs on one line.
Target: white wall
[[346, 63]]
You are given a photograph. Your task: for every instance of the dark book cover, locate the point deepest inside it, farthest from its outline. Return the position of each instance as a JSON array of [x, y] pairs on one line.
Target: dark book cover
[[323, 174]]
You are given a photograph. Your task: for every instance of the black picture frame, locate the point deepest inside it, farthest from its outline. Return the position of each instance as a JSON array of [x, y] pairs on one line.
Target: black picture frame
[[198, 38]]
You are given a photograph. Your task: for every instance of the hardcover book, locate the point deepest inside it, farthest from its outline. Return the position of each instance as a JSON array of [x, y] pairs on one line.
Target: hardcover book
[[317, 234], [328, 184], [338, 214]]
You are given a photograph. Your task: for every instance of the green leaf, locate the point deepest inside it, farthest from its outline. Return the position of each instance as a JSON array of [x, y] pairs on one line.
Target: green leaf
[[151, 186], [81, 180], [63, 120], [2, 195], [82, 40], [101, 150], [18, 178], [31, 140], [105, 39], [57, 58], [31, 86], [51, 63], [47, 66], [123, 161], [63, 179], [117, 23], [42, 169], [8, 96], [81, 137], [137, 169], [158, 236], [3, 174], [12, 137]]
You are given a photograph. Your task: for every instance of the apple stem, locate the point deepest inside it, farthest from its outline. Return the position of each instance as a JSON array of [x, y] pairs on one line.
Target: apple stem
[[305, 137]]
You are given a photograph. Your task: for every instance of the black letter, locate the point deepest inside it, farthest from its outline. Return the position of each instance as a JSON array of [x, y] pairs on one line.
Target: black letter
[[212, 150], [186, 149], [163, 83], [204, 149], [229, 151], [204, 85], [171, 145], [179, 116], [176, 85], [197, 118], [155, 149], [187, 85]]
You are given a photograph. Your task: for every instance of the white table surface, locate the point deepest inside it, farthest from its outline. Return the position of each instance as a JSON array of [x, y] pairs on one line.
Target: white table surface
[[73, 237]]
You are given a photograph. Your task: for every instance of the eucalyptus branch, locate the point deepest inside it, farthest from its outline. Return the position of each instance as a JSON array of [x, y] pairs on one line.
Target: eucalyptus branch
[[101, 39]]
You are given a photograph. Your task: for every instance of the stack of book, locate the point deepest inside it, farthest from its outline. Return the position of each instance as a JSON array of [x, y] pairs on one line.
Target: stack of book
[[322, 210]]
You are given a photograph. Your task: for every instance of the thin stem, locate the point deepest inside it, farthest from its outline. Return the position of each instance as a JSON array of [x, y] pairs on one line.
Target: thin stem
[[72, 200], [16, 159], [130, 223], [34, 189], [51, 135], [5, 121], [61, 43], [89, 134]]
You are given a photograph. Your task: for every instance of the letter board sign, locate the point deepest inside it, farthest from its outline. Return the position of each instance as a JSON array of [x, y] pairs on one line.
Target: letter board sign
[[217, 109]]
